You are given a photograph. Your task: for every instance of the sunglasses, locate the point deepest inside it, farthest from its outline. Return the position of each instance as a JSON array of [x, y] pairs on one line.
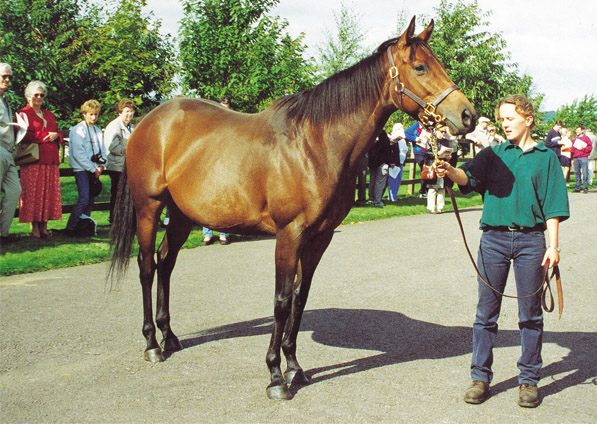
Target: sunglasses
[[7, 76], [42, 95]]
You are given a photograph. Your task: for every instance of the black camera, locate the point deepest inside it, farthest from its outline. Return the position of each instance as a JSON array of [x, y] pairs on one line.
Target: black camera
[[98, 158]]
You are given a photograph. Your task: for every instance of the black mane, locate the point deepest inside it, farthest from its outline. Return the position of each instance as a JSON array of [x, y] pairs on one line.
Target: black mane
[[343, 92]]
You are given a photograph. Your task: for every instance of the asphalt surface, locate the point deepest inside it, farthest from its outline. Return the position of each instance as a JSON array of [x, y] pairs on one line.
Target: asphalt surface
[[386, 336]]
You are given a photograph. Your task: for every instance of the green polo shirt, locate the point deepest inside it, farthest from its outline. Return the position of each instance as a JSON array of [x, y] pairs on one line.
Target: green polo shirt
[[518, 188]]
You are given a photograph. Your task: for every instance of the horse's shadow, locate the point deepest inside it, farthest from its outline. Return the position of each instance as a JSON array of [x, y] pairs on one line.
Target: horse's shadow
[[400, 339]]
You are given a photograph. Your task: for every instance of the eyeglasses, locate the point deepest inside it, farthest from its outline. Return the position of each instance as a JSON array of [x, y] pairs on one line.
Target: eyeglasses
[[42, 95], [7, 76]]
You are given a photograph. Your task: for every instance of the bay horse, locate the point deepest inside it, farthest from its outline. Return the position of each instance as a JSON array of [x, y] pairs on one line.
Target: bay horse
[[288, 171]]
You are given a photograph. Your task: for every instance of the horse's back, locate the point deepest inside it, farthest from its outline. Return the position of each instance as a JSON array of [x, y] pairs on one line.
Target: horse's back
[[209, 159]]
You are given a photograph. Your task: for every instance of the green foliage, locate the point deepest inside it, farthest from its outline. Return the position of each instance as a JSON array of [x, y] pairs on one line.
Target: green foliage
[[345, 48], [581, 112], [477, 60], [233, 48], [103, 51]]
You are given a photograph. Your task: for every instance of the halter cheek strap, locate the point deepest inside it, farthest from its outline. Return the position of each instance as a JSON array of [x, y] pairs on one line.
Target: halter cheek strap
[[430, 118]]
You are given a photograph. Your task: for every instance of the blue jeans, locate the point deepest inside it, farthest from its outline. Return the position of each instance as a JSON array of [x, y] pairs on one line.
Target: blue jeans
[[497, 249], [209, 233], [84, 201], [581, 171]]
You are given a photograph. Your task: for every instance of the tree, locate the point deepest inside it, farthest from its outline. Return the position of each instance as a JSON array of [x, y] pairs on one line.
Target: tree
[[581, 112], [103, 51], [233, 48], [477, 60], [343, 49]]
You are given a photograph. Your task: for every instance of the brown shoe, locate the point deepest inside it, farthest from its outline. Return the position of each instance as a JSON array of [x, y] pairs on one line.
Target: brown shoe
[[528, 396], [477, 393]]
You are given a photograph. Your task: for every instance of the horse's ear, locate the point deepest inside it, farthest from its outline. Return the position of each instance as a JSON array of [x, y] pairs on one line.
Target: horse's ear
[[426, 34], [408, 34]]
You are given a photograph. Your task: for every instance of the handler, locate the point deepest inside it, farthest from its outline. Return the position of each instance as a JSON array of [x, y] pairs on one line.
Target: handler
[[524, 193]]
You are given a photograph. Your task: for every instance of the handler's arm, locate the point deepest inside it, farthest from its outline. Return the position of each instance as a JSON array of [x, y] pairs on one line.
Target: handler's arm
[[551, 254], [455, 174]]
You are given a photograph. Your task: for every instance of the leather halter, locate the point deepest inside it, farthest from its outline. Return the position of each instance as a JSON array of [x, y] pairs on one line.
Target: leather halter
[[431, 118]]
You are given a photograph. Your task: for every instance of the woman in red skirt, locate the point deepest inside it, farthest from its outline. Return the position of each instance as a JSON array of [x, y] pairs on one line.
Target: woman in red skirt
[[40, 200]]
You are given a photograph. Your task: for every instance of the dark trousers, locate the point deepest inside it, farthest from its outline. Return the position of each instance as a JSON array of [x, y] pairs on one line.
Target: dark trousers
[[114, 179], [498, 251], [84, 201]]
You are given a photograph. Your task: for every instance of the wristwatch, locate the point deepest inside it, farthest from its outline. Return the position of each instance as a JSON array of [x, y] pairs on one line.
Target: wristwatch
[[557, 249]]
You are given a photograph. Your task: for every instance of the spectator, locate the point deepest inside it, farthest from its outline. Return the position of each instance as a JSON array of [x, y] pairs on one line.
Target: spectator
[[418, 136], [379, 158], [524, 193], [362, 181], [581, 149], [494, 137], [436, 195], [41, 198], [565, 143], [399, 152], [480, 136], [88, 160], [553, 140], [116, 136], [207, 233], [9, 176], [592, 156]]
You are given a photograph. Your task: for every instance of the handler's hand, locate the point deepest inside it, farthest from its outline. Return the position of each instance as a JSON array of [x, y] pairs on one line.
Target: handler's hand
[[551, 255], [441, 168]]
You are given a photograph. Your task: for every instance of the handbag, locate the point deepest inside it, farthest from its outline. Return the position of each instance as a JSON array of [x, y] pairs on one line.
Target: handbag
[[427, 173], [26, 153], [95, 185]]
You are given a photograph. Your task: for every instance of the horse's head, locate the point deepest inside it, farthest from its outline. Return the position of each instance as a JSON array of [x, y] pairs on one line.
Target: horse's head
[[420, 85]]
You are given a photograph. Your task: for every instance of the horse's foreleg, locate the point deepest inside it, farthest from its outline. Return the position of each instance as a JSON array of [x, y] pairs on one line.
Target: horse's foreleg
[[311, 255], [286, 262], [176, 234]]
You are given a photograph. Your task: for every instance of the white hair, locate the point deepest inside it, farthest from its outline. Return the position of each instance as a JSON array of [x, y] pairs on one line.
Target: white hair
[[5, 66], [32, 87]]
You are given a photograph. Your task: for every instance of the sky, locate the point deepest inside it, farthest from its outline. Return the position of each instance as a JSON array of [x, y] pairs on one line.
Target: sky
[[554, 42]]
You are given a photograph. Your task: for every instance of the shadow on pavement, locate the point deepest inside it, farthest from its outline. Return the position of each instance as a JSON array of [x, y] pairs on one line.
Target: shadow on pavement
[[403, 339]]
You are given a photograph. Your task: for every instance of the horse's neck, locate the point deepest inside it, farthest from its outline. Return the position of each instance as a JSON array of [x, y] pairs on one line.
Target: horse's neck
[[353, 138]]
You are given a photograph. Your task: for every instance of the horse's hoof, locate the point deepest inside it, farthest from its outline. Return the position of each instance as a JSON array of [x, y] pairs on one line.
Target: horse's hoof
[[296, 377], [278, 392], [171, 345], [154, 355]]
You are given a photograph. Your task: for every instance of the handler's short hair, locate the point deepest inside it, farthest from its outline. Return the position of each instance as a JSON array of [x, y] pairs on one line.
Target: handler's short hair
[[522, 105]]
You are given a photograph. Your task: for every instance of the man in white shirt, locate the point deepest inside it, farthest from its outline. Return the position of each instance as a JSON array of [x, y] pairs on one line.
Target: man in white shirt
[[480, 136]]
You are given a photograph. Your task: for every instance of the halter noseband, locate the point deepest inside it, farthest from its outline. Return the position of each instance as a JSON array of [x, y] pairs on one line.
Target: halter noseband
[[430, 119]]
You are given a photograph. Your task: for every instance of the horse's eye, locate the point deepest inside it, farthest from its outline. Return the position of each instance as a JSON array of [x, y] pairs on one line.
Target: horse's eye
[[420, 68]]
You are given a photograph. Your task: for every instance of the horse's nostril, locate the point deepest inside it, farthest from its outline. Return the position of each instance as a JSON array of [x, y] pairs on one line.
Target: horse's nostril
[[467, 118]]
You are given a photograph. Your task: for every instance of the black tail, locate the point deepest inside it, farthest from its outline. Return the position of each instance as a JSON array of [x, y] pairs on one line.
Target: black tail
[[124, 228]]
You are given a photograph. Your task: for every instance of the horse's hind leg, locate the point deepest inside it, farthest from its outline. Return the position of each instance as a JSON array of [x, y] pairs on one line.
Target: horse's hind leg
[[177, 233], [311, 254], [146, 235]]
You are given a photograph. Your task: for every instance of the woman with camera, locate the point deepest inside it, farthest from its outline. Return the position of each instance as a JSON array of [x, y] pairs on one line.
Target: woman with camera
[[87, 158], [40, 199]]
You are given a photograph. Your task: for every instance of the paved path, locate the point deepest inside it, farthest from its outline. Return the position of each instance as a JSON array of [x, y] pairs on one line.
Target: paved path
[[385, 338]]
